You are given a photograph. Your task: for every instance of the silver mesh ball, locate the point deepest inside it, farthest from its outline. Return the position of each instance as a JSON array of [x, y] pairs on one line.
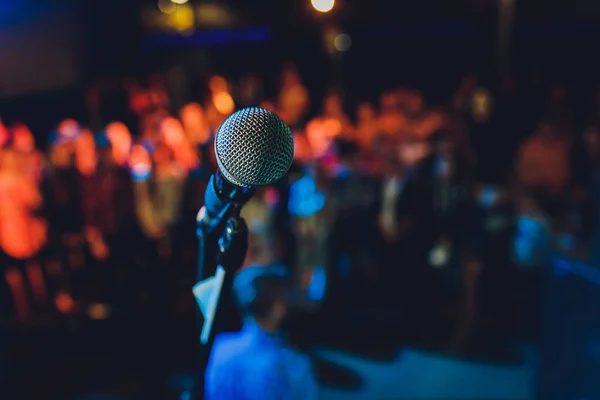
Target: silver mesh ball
[[254, 147]]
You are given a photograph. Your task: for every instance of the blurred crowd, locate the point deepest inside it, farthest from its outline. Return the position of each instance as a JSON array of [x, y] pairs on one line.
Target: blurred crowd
[[409, 204]]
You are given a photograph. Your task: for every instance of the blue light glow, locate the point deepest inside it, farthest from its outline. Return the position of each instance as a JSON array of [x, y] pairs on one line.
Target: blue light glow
[[304, 199], [101, 139], [216, 37], [318, 284]]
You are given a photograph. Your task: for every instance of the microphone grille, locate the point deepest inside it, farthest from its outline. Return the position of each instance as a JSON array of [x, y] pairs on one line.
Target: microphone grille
[[254, 147]]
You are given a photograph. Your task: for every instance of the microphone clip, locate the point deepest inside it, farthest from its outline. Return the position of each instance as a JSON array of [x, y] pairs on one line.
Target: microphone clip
[[222, 200]]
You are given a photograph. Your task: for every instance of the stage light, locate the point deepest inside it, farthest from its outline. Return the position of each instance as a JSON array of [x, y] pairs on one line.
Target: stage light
[[323, 5], [183, 19], [179, 1], [342, 42]]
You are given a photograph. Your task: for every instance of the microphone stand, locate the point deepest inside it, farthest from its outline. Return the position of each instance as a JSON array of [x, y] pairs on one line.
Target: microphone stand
[[231, 252]]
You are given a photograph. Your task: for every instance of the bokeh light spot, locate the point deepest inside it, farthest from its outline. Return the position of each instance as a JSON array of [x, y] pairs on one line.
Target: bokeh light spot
[[99, 311], [323, 5], [223, 102], [342, 42], [166, 6]]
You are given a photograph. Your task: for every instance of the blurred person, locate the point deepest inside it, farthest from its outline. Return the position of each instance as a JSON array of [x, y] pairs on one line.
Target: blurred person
[[120, 142], [320, 134], [256, 363], [86, 155], [532, 240], [22, 138], [223, 104], [23, 143], [199, 157], [333, 109], [392, 184], [23, 234], [86, 163], [400, 272], [195, 124], [259, 215], [448, 182], [451, 182], [366, 125], [172, 133], [109, 224], [310, 217], [61, 186], [451, 173], [197, 128], [543, 165], [68, 130], [114, 205], [186, 156], [157, 192], [293, 100], [391, 120], [431, 212], [353, 205], [487, 264], [220, 102]]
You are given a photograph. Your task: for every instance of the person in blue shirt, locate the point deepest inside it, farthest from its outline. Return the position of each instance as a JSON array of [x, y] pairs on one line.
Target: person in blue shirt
[[256, 363]]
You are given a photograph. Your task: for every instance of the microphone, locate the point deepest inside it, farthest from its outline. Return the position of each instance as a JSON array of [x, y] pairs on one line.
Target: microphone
[[254, 148]]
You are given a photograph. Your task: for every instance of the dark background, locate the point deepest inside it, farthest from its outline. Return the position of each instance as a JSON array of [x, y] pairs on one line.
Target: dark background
[[429, 44]]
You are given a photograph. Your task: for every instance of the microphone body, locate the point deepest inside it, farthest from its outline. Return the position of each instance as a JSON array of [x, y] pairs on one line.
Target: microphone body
[[254, 148], [220, 199]]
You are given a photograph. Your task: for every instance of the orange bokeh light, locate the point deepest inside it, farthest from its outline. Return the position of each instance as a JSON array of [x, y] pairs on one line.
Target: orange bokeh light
[[64, 303], [22, 138], [217, 83], [68, 129], [223, 102], [139, 160], [172, 132], [120, 139]]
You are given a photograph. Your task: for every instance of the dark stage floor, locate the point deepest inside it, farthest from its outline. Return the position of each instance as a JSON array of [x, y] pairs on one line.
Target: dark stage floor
[[131, 357]]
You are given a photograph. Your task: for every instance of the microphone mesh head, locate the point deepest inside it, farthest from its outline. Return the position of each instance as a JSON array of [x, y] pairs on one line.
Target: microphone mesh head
[[254, 147]]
